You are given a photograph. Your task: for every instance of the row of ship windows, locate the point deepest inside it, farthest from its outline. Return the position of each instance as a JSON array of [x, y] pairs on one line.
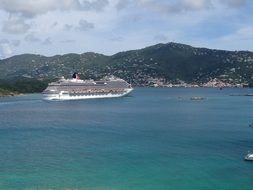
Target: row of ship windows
[[98, 91], [93, 94]]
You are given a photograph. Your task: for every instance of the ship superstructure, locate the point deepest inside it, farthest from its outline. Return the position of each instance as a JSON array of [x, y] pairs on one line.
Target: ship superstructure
[[75, 88]]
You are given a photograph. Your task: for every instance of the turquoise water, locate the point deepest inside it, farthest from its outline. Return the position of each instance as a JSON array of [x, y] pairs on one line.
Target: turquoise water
[[154, 139]]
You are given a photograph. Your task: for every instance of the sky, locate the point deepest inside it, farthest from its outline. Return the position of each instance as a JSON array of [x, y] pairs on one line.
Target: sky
[[50, 27]]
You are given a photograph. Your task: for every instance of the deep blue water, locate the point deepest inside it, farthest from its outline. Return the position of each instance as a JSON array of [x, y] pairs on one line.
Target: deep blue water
[[155, 139]]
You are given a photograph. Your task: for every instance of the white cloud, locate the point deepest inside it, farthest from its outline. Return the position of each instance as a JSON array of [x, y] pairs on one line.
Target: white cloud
[[174, 6], [177, 6], [54, 24], [84, 25], [6, 48], [97, 5], [15, 25], [241, 39], [68, 41], [34, 7], [47, 41], [160, 38], [122, 4], [31, 8], [245, 34], [158, 6], [31, 38], [10, 42], [122, 24], [67, 27], [235, 3], [117, 39], [196, 4], [15, 43], [169, 6]]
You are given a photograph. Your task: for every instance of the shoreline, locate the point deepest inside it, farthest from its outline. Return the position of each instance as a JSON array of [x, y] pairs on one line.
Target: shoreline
[[11, 94], [7, 93]]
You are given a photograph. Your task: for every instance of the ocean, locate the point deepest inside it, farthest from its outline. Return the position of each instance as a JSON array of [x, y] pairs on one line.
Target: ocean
[[154, 139]]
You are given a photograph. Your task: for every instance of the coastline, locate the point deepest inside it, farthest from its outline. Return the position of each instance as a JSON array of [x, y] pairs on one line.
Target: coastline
[[7, 93]]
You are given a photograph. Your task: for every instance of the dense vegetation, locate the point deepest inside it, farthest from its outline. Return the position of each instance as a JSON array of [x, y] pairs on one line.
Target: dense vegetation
[[169, 62], [4, 92], [22, 85]]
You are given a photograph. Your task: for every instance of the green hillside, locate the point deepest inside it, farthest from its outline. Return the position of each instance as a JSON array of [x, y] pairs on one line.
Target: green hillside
[[170, 63]]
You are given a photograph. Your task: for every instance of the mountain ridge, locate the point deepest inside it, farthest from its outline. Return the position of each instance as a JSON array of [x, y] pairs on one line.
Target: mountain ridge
[[164, 62]]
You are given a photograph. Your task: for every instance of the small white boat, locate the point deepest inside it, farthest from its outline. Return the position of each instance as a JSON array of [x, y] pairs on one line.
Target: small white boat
[[197, 98], [249, 156]]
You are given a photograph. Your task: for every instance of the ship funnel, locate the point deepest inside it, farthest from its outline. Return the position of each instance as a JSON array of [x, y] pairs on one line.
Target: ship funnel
[[75, 76]]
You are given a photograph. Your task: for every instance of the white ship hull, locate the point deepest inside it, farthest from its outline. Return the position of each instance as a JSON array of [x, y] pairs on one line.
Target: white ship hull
[[66, 96]]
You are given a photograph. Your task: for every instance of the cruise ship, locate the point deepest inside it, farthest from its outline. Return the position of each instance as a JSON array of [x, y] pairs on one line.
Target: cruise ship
[[75, 88]]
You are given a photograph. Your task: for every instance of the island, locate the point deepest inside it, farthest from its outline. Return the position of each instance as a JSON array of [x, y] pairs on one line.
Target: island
[[160, 65]]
